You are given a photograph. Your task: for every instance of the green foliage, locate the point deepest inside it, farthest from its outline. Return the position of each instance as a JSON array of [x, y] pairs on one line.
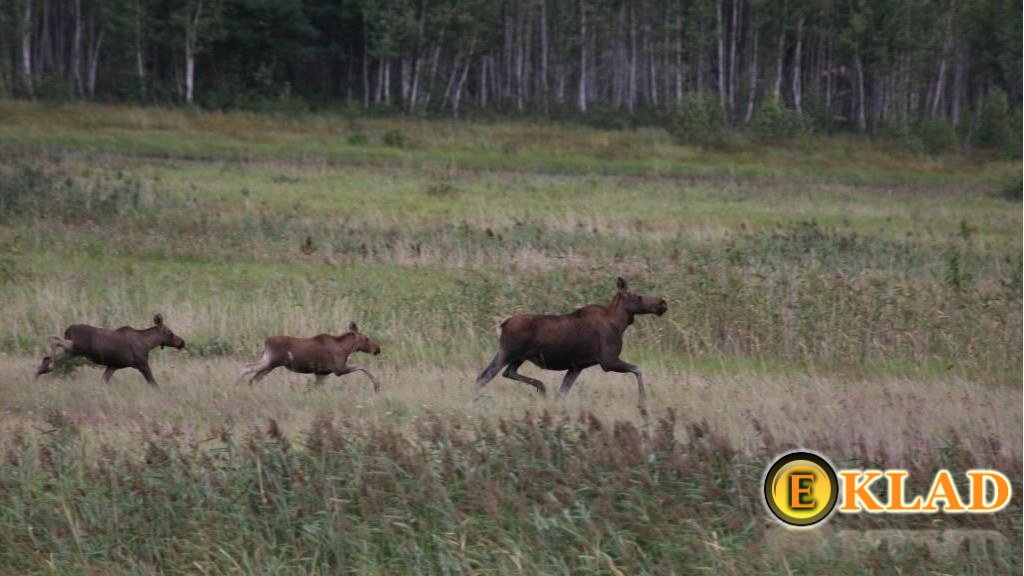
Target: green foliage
[[773, 121], [937, 136], [697, 121], [29, 191], [1012, 189], [394, 138], [54, 90], [358, 139], [996, 129]]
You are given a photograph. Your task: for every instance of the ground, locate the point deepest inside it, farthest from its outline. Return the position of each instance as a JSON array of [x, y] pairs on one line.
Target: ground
[[831, 292]]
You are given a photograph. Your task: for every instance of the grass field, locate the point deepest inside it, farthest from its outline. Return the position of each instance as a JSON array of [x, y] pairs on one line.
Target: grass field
[[836, 294]]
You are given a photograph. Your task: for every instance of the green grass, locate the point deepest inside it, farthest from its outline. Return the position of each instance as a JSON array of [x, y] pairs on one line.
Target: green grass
[[882, 287]]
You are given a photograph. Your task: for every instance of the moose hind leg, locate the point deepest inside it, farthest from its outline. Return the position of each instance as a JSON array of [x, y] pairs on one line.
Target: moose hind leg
[[568, 381], [617, 365], [492, 369], [107, 374], [45, 367], [60, 350], [512, 374]]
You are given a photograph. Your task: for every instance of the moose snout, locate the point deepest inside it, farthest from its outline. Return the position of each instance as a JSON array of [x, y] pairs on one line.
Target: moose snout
[[179, 344]]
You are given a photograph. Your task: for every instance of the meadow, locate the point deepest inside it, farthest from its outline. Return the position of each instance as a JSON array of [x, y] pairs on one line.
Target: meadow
[[834, 293]]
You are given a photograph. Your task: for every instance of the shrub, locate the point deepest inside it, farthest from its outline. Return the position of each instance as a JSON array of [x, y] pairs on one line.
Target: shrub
[[936, 136], [1013, 189], [358, 139], [994, 130], [773, 121], [28, 191], [697, 121], [394, 138]]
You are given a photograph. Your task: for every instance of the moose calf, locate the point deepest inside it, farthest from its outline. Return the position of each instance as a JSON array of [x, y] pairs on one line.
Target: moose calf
[[124, 347], [320, 355]]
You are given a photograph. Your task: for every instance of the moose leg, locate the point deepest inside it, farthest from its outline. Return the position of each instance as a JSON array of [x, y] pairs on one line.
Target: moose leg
[[60, 350], [568, 381], [511, 373], [147, 374], [107, 374], [492, 369], [617, 365], [259, 368], [353, 368], [45, 367], [260, 373]]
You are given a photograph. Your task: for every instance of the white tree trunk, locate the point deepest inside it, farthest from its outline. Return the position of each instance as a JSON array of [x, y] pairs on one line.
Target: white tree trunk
[[732, 54], [797, 88], [191, 31], [76, 49], [861, 117], [582, 91], [94, 63], [544, 55], [721, 58], [752, 96], [457, 96], [679, 57], [140, 61], [26, 49]]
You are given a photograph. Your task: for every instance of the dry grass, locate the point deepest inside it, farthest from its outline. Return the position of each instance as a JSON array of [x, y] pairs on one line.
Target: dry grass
[[882, 415]]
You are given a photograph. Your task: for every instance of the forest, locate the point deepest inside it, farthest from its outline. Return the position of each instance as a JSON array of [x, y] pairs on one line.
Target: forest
[[855, 65]]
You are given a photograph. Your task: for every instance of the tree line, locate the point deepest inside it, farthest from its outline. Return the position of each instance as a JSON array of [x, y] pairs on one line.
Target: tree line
[[861, 64]]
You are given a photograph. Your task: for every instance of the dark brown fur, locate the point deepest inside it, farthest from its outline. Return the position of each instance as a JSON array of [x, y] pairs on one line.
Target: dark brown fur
[[124, 347], [320, 355], [588, 336]]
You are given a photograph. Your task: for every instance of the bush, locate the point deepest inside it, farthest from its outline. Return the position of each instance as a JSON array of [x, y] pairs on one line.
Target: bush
[[394, 138], [28, 191], [937, 136], [697, 121], [357, 139], [1012, 190], [995, 131], [773, 121]]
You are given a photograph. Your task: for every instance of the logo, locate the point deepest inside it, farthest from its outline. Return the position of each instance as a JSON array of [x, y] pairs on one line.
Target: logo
[[802, 489]]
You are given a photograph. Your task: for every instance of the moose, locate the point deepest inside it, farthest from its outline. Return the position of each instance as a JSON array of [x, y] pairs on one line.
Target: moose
[[588, 336], [124, 347], [320, 355]]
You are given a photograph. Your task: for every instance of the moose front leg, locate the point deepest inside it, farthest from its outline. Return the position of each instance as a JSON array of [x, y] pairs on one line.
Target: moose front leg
[[107, 374], [147, 374], [617, 365], [353, 368]]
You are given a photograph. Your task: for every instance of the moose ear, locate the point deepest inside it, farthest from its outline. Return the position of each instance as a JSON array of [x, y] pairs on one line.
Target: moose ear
[[158, 319], [620, 283], [352, 327]]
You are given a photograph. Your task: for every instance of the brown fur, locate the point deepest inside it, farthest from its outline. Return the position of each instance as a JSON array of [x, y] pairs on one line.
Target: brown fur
[[320, 355], [124, 347], [588, 336]]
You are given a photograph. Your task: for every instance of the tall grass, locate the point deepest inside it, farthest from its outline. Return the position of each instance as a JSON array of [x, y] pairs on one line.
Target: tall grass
[[109, 245], [534, 494]]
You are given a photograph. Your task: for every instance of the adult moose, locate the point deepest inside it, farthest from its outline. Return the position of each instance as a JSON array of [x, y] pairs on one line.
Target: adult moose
[[588, 336], [124, 347], [320, 355]]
